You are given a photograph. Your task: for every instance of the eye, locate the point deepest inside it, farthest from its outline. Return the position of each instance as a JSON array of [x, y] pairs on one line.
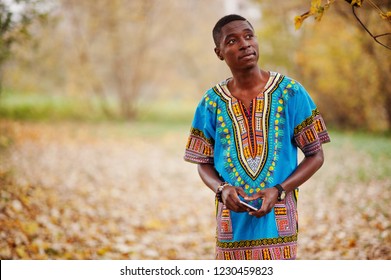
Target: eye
[[231, 41], [249, 36]]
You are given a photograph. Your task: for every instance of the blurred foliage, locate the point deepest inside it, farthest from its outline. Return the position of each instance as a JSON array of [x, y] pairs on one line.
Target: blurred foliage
[[71, 190], [318, 8], [15, 18], [119, 51], [112, 58], [349, 82]]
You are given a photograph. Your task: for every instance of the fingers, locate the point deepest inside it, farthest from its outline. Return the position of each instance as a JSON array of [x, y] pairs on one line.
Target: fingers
[[264, 210], [231, 199], [241, 192], [269, 199], [236, 206], [258, 195], [232, 202]]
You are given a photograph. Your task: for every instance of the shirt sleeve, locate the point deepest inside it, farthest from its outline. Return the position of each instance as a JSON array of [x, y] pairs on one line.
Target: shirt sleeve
[[200, 143], [310, 131]]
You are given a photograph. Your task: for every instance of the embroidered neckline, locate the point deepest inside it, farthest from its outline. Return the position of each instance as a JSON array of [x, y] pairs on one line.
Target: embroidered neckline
[[250, 132]]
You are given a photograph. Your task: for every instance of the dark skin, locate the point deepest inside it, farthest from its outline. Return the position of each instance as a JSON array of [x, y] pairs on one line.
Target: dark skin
[[239, 49]]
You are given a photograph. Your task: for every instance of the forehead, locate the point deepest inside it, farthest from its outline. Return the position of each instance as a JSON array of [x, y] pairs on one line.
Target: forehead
[[235, 27]]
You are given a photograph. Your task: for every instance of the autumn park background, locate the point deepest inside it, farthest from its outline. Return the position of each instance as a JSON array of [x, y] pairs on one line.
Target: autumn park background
[[96, 103]]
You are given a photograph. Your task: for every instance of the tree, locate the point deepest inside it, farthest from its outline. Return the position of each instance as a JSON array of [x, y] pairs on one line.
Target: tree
[[374, 18], [343, 68], [123, 51], [15, 18], [318, 8], [109, 43]]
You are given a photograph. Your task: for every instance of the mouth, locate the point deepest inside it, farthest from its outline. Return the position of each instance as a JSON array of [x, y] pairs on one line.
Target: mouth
[[248, 55]]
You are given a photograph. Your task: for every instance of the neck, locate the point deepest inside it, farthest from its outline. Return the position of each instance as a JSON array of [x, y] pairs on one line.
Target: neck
[[251, 78]]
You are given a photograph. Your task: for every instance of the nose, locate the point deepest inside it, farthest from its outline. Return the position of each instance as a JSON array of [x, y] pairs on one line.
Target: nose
[[244, 44]]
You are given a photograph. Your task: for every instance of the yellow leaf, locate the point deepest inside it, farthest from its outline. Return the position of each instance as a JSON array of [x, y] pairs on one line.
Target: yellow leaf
[[31, 228], [315, 5], [386, 16], [357, 3], [154, 224], [299, 19], [103, 251], [21, 252]]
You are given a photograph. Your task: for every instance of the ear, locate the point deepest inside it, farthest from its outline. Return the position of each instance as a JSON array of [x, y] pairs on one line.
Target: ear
[[217, 52]]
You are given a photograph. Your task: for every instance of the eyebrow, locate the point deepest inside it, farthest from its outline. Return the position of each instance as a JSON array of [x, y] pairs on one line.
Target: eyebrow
[[234, 34]]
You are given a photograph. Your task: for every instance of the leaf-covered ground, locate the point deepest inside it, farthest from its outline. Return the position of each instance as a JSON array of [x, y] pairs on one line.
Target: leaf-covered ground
[[100, 191]]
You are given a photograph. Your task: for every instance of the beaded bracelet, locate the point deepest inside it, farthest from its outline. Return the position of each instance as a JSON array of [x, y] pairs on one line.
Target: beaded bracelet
[[219, 191]]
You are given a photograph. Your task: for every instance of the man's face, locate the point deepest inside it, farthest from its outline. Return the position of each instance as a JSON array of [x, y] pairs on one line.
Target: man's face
[[238, 45]]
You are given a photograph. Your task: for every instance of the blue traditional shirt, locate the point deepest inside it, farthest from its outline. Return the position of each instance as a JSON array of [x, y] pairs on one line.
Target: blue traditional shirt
[[256, 149]]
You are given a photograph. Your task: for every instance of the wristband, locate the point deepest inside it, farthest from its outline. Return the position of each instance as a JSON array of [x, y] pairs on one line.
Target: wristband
[[219, 191]]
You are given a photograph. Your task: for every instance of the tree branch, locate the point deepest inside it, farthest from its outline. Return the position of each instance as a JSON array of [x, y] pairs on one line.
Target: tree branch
[[375, 37]]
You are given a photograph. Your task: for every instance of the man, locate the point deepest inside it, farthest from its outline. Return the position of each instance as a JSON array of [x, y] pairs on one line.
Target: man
[[244, 137]]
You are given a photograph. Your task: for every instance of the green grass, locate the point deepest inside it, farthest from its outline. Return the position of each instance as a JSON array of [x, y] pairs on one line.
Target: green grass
[[169, 112], [35, 107], [41, 107], [373, 153], [162, 117]]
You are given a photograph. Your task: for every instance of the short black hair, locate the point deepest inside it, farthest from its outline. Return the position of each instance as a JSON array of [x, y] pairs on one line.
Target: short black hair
[[223, 21]]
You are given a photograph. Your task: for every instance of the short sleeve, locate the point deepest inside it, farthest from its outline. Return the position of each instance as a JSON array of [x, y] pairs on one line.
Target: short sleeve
[[200, 143], [309, 127]]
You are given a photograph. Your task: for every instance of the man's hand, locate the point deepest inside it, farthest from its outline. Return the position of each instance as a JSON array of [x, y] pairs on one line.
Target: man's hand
[[269, 199], [230, 197]]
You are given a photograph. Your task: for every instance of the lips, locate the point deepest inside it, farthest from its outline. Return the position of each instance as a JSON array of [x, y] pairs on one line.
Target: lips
[[248, 55]]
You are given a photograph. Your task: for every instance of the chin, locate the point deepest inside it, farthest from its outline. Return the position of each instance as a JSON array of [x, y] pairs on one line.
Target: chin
[[250, 65]]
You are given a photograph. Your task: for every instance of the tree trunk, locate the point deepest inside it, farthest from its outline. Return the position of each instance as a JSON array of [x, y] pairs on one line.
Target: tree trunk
[[385, 89]]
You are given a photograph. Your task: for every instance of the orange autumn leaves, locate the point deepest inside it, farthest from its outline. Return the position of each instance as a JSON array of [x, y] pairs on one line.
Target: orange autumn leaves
[[92, 191]]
